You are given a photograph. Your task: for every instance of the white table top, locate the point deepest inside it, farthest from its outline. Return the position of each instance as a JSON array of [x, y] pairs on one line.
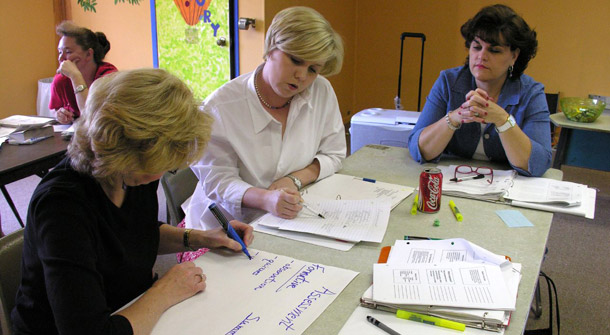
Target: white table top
[[601, 124], [481, 226]]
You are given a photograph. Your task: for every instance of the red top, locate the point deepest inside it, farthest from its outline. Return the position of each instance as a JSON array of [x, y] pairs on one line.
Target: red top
[[62, 93]]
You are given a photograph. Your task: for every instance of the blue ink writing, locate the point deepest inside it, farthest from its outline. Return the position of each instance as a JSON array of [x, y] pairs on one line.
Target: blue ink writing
[[243, 323], [301, 276], [273, 276], [264, 266], [288, 320]]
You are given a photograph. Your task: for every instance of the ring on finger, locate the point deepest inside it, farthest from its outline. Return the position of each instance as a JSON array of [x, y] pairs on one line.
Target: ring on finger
[[200, 276], [476, 114]]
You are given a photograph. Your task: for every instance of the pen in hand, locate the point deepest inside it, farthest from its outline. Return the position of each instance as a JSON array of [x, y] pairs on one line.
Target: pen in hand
[[306, 206], [228, 228], [381, 325]]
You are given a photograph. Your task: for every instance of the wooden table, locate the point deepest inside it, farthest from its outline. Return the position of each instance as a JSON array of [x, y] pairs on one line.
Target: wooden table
[[21, 161], [602, 124], [481, 226]]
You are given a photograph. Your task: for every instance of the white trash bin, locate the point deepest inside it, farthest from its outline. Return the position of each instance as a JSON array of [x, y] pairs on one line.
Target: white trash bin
[[44, 95]]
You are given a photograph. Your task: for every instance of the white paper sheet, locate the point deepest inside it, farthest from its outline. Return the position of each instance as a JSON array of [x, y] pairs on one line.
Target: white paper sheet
[[322, 241], [456, 284], [349, 220], [441, 251], [344, 187], [270, 294]]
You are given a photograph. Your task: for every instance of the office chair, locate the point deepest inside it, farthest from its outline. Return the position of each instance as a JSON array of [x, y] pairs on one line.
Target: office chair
[[11, 249], [177, 188], [552, 100]]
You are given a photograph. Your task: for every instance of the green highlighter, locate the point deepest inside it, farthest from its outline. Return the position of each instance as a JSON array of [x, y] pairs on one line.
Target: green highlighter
[[431, 320]]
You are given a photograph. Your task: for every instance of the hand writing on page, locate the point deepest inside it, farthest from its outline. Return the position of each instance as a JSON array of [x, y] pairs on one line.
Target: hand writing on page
[[64, 116], [284, 203], [217, 238]]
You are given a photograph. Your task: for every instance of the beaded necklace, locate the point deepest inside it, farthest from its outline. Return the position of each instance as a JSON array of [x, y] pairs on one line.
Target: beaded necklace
[[260, 97]]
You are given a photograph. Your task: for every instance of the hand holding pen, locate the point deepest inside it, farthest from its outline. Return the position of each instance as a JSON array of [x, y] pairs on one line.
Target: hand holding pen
[[228, 228]]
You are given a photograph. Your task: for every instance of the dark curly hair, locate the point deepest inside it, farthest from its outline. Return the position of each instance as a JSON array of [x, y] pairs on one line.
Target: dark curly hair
[[492, 23], [86, 39]]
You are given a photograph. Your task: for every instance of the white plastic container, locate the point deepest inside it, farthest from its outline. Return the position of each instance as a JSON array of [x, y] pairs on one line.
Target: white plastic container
[[381, 126]]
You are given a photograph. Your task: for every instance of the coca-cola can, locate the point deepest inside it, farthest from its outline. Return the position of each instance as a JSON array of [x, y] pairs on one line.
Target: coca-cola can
[[430, 188]]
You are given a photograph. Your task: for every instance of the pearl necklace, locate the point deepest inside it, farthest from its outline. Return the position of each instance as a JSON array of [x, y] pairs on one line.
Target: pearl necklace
[[260, 97]]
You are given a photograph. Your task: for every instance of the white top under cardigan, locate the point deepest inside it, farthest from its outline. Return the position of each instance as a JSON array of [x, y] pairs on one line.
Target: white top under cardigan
[[247, 149]]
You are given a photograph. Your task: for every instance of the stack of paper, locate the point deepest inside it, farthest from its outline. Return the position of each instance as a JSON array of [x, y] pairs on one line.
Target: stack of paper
[[452, 279], [354, 209], [531, 192]]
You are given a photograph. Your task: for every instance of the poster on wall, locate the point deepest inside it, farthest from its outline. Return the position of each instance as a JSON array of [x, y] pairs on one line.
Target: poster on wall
[[192, 41]]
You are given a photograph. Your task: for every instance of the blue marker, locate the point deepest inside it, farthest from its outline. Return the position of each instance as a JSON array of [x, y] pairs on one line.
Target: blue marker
[[366, 179], [228, 228]]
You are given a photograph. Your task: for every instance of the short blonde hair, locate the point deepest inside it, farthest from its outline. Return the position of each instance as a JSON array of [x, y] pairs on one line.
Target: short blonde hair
[[304, 33], [144, 120]]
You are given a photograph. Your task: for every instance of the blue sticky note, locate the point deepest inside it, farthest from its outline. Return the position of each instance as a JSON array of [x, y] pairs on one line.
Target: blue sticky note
[[514, 218]]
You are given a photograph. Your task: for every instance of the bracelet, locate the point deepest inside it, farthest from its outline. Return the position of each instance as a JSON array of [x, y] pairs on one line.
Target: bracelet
[[451, 126], [185, 240]]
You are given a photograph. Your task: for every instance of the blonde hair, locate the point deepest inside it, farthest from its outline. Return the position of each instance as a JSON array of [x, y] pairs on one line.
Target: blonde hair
[[143, 120], [304, 33]]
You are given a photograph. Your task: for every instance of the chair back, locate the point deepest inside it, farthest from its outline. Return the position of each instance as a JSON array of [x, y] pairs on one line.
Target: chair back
[[177, 188], [11, 250], [552, 100]]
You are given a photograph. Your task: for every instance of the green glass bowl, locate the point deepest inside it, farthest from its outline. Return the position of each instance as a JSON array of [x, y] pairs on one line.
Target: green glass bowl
[[582, 109]]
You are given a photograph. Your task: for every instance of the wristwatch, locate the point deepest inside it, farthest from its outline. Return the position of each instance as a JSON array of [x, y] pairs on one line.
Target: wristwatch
[[510, 122], [80, 88], [296, 181]]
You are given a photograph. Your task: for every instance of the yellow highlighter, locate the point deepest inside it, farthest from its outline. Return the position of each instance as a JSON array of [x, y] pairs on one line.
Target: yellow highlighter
[[414, 207], [456, 211], [431, 320]]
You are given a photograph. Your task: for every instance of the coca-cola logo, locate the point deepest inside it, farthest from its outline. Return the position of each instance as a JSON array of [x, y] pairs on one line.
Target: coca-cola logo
[[434, 186]]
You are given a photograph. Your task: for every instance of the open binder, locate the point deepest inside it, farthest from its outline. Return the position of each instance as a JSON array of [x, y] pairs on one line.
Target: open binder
[[492, 320], [486, 319]]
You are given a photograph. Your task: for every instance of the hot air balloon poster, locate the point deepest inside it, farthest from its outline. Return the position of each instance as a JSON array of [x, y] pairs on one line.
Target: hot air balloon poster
[[189, 42]]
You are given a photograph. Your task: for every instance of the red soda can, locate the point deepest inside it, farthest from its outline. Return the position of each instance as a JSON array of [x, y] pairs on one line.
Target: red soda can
[[430, 188]]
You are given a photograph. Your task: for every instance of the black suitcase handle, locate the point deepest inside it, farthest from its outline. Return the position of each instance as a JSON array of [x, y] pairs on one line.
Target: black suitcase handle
[[404, 35]]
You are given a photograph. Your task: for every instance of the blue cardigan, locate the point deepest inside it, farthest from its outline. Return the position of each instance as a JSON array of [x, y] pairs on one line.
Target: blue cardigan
[[523, 98]]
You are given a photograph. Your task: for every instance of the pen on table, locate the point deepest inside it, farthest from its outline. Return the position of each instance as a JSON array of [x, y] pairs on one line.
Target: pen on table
[[478, 176], [410, 237], [381, 325], [228, 228], [308, 207], [414, 207], [456, 211], [28, 141], [370, 180], [431, 320]]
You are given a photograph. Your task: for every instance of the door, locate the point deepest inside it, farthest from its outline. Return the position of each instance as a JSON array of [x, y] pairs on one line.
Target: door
[[192, 39]]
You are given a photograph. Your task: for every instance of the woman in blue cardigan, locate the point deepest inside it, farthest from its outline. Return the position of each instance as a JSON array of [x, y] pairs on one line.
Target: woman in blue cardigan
[[488, 109]]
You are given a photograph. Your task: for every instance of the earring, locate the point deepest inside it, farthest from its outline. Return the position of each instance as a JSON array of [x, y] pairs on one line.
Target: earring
[[510, 71], [124, 186]]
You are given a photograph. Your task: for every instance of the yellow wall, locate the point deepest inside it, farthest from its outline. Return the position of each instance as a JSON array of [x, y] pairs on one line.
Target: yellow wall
[[28, 52], [126, 26], [574, 45], [342, 14]]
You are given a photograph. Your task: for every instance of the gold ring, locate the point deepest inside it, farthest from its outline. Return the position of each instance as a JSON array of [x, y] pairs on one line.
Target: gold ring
[[200, 276]]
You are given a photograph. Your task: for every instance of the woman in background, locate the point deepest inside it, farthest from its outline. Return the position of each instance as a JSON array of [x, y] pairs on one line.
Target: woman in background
[[488, 109], [277, 129], [92, 235], [81, 52]]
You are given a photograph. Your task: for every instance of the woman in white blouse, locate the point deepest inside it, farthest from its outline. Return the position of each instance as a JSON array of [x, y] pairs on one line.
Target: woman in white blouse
[[276, 129]]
